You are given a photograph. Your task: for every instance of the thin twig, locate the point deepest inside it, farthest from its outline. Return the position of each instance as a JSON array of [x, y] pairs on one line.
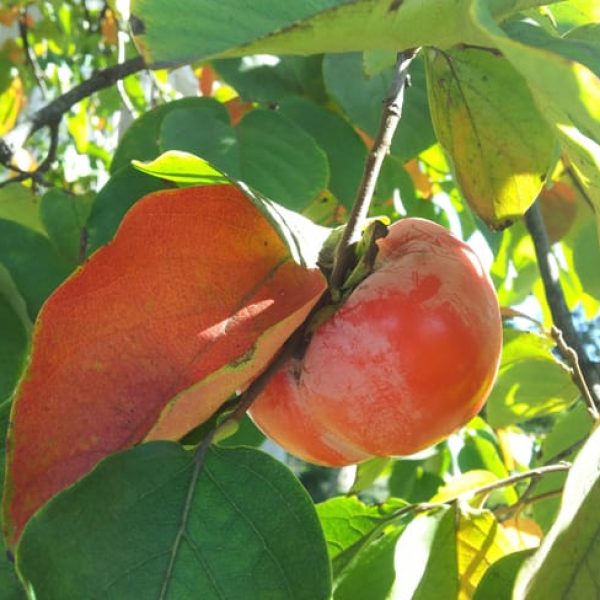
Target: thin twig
[[484, 489], [561, 316], [507, 510], [576, 373], [51, 114], [512, 479], [390, 117], [29, 54]]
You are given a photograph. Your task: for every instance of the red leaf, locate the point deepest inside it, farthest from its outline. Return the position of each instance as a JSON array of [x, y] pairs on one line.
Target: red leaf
[[187, 304]]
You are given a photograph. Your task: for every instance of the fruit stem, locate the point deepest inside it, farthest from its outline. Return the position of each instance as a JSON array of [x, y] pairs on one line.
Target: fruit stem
[[391, 113]]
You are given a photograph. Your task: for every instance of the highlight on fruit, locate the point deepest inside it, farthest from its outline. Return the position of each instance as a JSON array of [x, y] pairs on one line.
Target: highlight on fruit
[[407, 359]]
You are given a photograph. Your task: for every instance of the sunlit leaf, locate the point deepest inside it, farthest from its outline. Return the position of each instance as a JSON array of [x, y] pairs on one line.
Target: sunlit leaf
[[480, 541], [350, 525], [486, 119], [181, 167], [426, 558], [297, 27], [530, 382], [565, 566]]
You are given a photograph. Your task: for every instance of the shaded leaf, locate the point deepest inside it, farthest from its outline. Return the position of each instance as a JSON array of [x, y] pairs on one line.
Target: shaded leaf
[[9, 582], [201, 131], [265, 150], [361, 98], [269, 79], [186, 306], [345, 150], [116, 197], [32, 262], [570, 427], [487, 121], [141, 140], [566, 564], [13, 348], [64, 216], [280, 160], [247, 434], [412, 482], [499, 579], [144, 531]]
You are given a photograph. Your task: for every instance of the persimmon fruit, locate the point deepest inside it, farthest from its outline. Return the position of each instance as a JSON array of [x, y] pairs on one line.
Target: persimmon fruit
[[406, 360]]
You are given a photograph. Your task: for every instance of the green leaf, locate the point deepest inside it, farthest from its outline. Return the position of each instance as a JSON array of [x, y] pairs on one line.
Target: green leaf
[[412, 482], [247, 434], [202, 132], [269, 79], [426, 558], [32, 262], [570, 427], [280, 160], [350, 525], [569, 431], [485, 118], [372, 574], [118, 195], [368, 472], [200, 31], [345, 150], [157, 524], [586, 258], [499, 579], [64, 215], [480, 542], [181, 167], [266, 150], [530, 381], [361, 98], [13, 348], [566, 564], [9, 582], [20, 205], [141, 140], [566, 92]]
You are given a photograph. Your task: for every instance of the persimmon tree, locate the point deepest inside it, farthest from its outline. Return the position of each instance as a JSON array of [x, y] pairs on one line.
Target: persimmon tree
[[191, 189]]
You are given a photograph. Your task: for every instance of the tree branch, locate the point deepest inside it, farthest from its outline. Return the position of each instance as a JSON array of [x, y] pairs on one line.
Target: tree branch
[[586, 375], [51, 115], [344, 255]]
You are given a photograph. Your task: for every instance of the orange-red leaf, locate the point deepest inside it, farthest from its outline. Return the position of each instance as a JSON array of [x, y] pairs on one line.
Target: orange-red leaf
[[186, 305]]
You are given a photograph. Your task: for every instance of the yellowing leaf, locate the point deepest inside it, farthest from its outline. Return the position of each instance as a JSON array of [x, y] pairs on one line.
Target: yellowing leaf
[[485, 118], [524, 533], [480, 541]]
